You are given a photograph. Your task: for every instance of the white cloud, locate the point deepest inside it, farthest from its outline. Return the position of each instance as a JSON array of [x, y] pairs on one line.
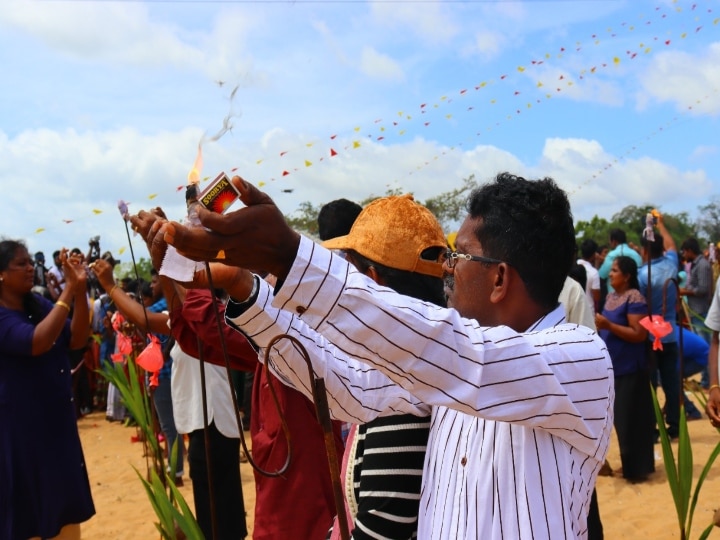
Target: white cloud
[[703, 152], [75, 173], [601, 183], [432, 23], [691, 81], [380, 66], [487, 44], [126, 35]]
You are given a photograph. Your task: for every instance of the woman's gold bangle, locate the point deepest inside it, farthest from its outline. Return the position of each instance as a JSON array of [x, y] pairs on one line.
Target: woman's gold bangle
[[63, 304], [712, 387], [112, 291]]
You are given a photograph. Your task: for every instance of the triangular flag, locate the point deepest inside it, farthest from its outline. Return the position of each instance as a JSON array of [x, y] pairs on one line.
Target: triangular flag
[[333, 152], [308, 163]]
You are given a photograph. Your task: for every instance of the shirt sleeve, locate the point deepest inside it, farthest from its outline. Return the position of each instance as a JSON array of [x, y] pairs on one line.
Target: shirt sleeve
[[356, 392], [712, 320], [558, 379], [704, 279], [197, 319], [604, 270]]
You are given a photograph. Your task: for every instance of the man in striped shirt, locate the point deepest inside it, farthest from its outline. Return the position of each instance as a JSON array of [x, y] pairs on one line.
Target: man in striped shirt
[[521, 400]]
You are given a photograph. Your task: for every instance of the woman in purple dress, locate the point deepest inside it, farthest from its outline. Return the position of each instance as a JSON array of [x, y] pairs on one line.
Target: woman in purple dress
[[626, 339], [44, 487]]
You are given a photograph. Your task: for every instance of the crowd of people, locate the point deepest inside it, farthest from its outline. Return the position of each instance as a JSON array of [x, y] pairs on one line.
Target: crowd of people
[[473, 383]]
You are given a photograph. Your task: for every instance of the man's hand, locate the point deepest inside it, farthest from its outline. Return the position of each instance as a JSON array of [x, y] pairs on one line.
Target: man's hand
[[713, 406], [156, 243], [143, 221], [255, 237]]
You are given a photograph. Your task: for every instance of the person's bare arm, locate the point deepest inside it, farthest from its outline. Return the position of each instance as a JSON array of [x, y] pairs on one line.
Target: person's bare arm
[[712, 408], [133, 311], [634, 332]]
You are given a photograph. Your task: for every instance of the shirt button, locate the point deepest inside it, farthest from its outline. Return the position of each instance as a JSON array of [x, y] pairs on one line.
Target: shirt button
[[301, 309], [463, 461], [62, 371]]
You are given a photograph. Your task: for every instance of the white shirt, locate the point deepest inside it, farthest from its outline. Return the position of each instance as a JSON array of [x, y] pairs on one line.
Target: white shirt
[[187, 395], [520, 422], [342, 375], [592, 282], [577, 308]]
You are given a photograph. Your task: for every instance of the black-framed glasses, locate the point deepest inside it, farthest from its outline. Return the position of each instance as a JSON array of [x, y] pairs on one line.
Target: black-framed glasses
[[451, 258]]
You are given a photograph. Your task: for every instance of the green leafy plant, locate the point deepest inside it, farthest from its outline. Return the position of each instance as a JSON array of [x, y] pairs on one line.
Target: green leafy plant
[[175, 519], [680, 472]]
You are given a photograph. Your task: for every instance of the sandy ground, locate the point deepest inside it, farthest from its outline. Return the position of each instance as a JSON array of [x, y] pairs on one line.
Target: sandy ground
[[636, 511]]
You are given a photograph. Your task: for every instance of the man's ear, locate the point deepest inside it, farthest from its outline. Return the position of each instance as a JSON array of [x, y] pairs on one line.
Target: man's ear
[[501, 283]]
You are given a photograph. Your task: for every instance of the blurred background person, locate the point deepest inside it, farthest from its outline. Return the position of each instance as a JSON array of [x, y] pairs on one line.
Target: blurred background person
[[619, 326]]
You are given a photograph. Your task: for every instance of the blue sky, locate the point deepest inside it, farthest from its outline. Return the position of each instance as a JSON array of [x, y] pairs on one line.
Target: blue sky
[[618, 101]]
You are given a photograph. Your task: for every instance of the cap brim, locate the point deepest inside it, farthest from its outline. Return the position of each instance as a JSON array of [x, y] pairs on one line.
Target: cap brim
[[339, 242]]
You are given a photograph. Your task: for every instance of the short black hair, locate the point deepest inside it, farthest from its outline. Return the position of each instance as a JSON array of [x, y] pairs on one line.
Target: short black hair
[[414, 284], [529, 225], [579, 274], [336, 218], [656, 248], [691, 244], [619, 236], [588, 248]]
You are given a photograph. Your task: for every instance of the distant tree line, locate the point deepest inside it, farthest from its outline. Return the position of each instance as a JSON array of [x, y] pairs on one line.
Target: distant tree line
[[449, 208]]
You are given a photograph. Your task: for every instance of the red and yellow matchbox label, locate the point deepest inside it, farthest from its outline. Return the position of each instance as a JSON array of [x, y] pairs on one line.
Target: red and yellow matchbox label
[[219, 195]]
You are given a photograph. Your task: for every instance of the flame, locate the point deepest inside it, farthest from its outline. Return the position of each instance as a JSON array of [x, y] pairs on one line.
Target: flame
[[194, 174]]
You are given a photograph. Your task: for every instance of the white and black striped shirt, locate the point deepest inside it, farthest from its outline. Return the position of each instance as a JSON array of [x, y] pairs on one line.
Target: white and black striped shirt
[[520, 421]]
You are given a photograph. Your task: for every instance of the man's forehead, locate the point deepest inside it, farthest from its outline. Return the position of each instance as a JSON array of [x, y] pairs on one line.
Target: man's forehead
[[466, 233]]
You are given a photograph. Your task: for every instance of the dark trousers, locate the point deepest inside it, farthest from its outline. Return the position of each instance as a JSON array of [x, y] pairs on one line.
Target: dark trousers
[[666, 364], [224, 454], [594, 525]]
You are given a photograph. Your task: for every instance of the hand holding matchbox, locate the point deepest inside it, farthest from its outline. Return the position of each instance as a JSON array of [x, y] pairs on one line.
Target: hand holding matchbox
[[217, 197]]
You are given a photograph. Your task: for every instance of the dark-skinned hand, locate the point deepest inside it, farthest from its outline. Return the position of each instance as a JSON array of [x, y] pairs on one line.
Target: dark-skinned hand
[[256, 237]]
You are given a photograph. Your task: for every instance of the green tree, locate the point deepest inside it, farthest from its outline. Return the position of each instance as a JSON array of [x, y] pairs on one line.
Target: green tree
[[597, 229], [708, 222], [304, 219], [449, 207], [126, 269], [631, 219], [389, 192]]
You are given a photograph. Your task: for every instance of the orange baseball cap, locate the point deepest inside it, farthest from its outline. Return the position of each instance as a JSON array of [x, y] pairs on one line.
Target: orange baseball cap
[[394, 231]]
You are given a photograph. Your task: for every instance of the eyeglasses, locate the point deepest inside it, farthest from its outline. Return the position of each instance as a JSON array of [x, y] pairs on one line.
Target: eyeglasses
[[451, 258]]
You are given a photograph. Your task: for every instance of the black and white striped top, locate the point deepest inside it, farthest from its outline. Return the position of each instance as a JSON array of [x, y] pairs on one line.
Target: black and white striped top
[[384, 475], [520, 421]]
